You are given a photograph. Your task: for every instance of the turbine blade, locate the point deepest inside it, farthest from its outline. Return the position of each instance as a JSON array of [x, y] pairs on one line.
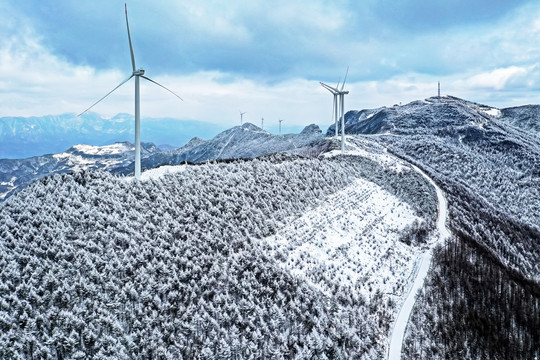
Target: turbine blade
[[346, 73], [129, 37], [337, 86], [158, 84], [329, 88], [109, 93]]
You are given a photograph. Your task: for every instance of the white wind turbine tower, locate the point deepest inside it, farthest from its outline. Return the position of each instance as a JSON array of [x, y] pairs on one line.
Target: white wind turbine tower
[[280, 121], [137, 73], [339, 106], [334, 104], [262, 123]]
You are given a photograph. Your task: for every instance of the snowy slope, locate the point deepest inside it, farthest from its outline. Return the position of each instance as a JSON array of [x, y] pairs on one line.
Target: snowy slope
[[180, 265], [352, 239], [488, 165], [525, 117]]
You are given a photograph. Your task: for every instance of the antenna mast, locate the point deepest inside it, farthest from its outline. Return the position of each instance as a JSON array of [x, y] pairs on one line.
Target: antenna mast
[[241, 117]]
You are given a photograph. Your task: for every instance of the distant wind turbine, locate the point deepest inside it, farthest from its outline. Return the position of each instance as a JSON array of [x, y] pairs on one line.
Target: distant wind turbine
[[280, 121], [262, 123], [137, 73], [339, 106], [241, 116]]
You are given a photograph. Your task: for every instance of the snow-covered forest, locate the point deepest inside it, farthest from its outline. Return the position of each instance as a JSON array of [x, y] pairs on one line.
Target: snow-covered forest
[[92, 265]]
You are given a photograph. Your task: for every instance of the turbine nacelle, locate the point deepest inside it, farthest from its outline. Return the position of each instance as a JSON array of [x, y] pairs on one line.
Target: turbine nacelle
[[139, 72]]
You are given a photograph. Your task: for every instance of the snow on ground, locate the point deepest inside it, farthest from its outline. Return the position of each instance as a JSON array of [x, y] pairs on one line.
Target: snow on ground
[[156, 173], [8, 183], [411, 265], [80, 162], [492, 112], [162, 170], [113, 149], [351, 239], [363, 147]]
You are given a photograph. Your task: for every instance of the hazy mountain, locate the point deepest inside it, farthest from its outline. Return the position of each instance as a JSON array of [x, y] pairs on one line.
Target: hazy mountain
[[15, 174], [33, 136]]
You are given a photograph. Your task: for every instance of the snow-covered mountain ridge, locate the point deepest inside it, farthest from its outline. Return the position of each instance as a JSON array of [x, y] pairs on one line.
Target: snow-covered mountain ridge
[[489, 169], [192, 276], [245, 141]]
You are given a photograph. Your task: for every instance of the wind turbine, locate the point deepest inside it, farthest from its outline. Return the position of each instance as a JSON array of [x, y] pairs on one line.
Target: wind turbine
[[137, 73], [262, 123], [334, 92], [339, 95], [241, 116], [280, 121]]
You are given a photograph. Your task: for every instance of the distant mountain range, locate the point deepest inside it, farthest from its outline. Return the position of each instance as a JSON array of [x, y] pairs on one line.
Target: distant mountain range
[[246, 141], [34, 136]]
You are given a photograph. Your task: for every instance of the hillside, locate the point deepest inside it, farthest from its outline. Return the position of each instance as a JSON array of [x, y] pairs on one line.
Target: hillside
[[194, 264], [525, 117], [489, 171], [296, 252]]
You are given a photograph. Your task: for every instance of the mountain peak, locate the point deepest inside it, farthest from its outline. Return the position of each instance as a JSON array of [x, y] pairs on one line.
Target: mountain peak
[[311, 129], [249, 126]]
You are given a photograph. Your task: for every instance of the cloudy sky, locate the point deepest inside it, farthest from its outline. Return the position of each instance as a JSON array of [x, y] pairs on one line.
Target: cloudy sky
[[265, 57]]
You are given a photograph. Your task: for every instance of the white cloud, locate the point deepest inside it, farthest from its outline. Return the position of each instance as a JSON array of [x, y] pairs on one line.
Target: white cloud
[[497, 79], [35, 81]]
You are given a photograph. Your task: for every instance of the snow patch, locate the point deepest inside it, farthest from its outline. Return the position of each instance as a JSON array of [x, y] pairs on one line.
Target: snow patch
[[352, 239], [494, 112], [113, 149], [159, 172]]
